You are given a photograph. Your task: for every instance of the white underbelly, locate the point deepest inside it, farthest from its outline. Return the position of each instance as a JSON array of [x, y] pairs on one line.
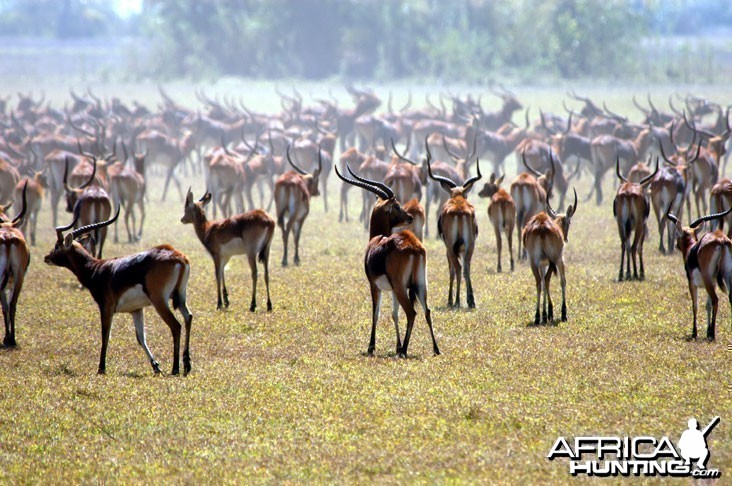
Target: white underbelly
[[132, 299], [383, 283], [696, 278], [234, 246]]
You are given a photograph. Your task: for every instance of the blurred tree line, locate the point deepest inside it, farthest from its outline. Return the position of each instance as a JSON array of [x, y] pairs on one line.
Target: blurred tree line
[[460, 40], [456, 40]]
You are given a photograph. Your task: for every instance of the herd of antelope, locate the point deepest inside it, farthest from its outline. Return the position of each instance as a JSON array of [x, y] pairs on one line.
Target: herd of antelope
[[100, 154]]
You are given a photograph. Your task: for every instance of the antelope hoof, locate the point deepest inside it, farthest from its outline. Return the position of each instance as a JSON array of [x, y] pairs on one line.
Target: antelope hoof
[[437, 351], [498, 269], [284, 263], [269, 306], [9, 342], [512, 265], [252, 307], [186, 365], [101, 371], [155, 367], [370, 351]]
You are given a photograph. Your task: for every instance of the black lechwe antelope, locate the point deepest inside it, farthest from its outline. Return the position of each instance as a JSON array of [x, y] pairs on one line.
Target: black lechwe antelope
[[395, 262], [128, 284]]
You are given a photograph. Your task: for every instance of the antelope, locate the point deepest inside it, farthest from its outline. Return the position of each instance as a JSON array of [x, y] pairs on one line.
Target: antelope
[[395, 262], [458, 229], [9, 178], [667, 190], [129, 284], [375, 169], [417, 212], [35, 187], [631, 208], [293, 191], [166, 151], [91, 204], [14, 261], [706, 260], [249, 233], [721, 197], [351, 157], [127, 187], [502, 213], [684, 165], [529, 195], [404, 176], [544, 237], [227, 178], [604, 149]]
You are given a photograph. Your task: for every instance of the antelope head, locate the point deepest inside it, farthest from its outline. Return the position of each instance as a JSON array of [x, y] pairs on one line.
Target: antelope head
[[563, 220], [311, 180]]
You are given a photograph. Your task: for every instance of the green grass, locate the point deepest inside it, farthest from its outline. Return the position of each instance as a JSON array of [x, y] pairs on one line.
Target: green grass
[[289, 395]]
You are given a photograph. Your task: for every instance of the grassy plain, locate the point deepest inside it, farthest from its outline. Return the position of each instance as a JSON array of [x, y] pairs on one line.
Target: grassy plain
[[289, 396]]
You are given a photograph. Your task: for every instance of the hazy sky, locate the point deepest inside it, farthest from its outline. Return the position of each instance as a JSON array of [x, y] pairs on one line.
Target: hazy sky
[[127, 7]]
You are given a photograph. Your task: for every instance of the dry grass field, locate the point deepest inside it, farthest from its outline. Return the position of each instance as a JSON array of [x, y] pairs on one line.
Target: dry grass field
[[289, 396]]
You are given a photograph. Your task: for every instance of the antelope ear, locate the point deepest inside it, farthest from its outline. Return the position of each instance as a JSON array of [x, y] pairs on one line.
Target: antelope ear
[[68, 240], [206, 198], [500, 180]]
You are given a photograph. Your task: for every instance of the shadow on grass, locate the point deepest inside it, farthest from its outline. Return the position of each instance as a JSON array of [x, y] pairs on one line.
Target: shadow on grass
[[391, 356], [549, 325]]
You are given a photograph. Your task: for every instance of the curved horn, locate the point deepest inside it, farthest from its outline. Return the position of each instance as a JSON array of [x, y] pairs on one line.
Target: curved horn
[[223, 145], [60, 229], [17, 221], [696, 157], [408, 103], [447, 149], [393, 147], [671, 105], [614, 115], [663, 154], [440, 179], [294, 166], [66, 174], [93, 226], [531, 169], [573, 207], [379, 185], [648, 178], [709, 217], [91, 179], [475, 178], [569, 122], [670, 216], [320, 159], [362, 185], [617, 169], [640, 108], [79, 129]]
